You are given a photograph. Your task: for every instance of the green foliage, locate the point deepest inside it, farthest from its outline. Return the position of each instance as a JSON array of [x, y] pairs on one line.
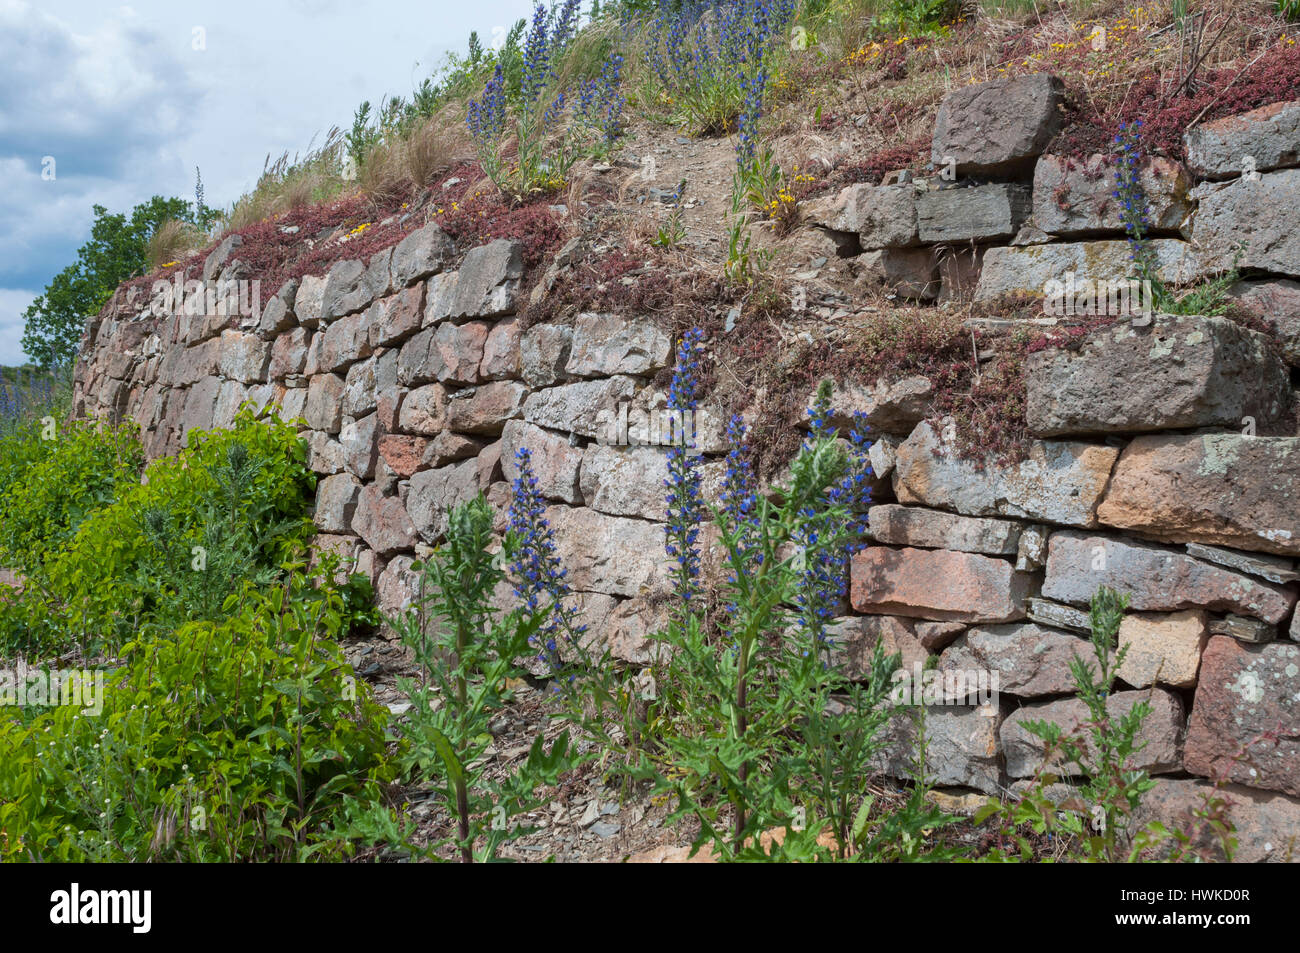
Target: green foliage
[[243, 739], [52, 480], [117, 250], [231, 507], [468, 661], [766, 730], [916, 16], [1097, 820], [1289, 10]]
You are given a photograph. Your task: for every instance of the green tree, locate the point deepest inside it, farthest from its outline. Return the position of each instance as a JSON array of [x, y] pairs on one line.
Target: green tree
[[116, 251]]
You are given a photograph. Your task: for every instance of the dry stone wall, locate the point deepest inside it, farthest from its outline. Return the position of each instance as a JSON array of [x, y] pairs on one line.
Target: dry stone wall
[[1164, 461]]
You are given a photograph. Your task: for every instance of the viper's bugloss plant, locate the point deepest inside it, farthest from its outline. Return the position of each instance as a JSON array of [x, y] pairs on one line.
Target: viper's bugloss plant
[[545, 143], [1211, 297], [708, 62], [467, 652], [749, 740], [538, 578], [685, 504]]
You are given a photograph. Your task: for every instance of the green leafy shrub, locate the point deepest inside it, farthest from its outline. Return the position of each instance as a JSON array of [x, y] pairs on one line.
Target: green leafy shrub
[[51, 480], [238, 740], [230, 507], [468, 659]]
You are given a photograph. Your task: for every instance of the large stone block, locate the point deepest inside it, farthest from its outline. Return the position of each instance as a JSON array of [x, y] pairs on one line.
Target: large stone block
[[289, 353], [244, 357], [1060, 482], [609, 554], [998, 127], [1277, 302], [395, 318], [1176, 372], [324, 409], [882, 216], [889, 405], [544, 353], [501, 352], [487, 283], [486, 408], [424, 410], [578, 407], [345, 290], [1163, 648], [1265, 825], [962, 747], [1027, 270], [607, 344], [434, 493], [420, 254], [933, 529], [336, 503], [1245, 714], [1029, 660], [1261, 140], [980, 213], [456, 351], [625, 481], [1253, 218], [908, 272], [1223, 489], [937, 584], [1076, 198], [344, 341], [1162, 732], [382, 522], [1156, 579], [556, 463]]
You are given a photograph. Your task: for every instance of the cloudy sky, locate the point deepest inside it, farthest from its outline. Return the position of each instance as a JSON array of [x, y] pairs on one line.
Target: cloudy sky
[[127, 100]]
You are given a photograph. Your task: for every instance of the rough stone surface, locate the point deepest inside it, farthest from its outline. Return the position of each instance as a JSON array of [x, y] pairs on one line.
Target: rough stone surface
[[1243, 629], [908, 272], [488, 281], [1277, 302], [344, 341], [997, 127], [577, 407], [1060, 482], [501, 352], [424, 410], [324, 409], [1055, 614], [402, 453], [395, 318], [1163, 648], [1245, 691], [309, 301], [1255, 216], [1075, 199], [854, 638], [486, 408], [345, 289], [555, 462], [244, 357], [1224, 489], [420, 254], [937, 584], [434, 493], [544, 353], [1176, 372], [336, 503], [360, 442], [933, 529], [289, 353], [1273, 568], [1162, 732], [457, 351], [607, 344], [981, 213], [625, 481], [359, 389], [382, 522], [882, 216], [609, 554], [962, 747], [895, 405], [1269, 136], [1157, 579], [1026, 271], [1265, 825], [1030, 660]]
